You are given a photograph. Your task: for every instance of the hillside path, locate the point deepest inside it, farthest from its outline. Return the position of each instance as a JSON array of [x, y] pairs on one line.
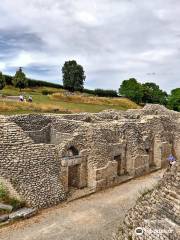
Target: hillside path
[[95, 217]]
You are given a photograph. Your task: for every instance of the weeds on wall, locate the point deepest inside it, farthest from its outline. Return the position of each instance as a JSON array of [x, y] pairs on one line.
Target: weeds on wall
[[7, 199]]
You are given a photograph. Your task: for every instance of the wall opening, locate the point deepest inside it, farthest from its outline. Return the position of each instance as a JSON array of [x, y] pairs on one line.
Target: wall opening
[[119, 164], [72, 151], [74, 176], [151, 157]]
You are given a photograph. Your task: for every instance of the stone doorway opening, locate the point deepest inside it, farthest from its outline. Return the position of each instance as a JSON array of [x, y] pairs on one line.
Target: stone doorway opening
[[74, 176], [119, 164]]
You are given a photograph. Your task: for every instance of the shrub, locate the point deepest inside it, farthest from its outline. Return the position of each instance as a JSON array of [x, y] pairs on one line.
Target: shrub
[[89, 91], [46, 92], [105, 93], [3, 192], [16, 204], [5, 198], [38, 83], [2, 81], [33, 83], [8, 80]]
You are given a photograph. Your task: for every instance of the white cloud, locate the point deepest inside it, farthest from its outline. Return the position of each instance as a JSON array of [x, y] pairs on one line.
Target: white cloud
[[23, 60], [112, 39], [2, 66]]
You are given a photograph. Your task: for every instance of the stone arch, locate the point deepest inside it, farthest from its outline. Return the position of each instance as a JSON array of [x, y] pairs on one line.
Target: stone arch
[[74, 164], [72, 151], [76, 144]]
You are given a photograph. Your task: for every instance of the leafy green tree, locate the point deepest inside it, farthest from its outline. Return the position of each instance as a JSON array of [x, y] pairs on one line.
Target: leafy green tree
[[73, 76], [131, 89], [153, 94], [2, 81], [174, 100], [19, 80]]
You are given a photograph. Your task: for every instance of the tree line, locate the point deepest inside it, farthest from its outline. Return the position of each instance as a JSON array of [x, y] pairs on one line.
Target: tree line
[[149, 92], [74, 77]]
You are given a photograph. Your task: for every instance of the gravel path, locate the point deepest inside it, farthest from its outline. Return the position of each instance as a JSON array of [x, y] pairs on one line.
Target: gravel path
[[95, 217]]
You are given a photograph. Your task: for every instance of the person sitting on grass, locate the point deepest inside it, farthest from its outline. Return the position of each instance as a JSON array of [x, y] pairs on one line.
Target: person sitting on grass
[[21, 98], [30, 99]]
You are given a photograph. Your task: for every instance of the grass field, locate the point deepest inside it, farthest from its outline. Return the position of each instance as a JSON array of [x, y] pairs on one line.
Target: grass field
[[57, 101]]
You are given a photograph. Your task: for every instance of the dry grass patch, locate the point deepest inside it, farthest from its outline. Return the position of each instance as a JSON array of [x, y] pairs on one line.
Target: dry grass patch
[[7, 199], [123, 102], [32, 107]]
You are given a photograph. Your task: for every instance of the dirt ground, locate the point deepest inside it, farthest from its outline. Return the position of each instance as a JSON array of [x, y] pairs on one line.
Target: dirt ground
[[95, 217]]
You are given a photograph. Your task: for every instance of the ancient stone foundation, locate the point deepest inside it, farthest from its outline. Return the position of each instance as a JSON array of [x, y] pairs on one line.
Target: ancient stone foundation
[[46, 157]]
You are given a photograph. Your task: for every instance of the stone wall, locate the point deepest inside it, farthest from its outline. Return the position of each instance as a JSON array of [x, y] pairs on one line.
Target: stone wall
[[34, 171], [113, 146], [31, 122], [41, 136], [157, 212]]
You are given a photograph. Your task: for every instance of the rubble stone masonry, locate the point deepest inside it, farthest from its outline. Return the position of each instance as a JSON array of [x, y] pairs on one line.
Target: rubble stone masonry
[[43, 157]]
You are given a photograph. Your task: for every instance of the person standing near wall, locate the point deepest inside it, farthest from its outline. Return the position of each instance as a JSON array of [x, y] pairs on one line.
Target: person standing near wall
[[172, 160]]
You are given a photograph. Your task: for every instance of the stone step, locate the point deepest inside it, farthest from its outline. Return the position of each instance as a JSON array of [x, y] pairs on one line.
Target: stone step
[[22, 213], [4, 218], [6, 207]]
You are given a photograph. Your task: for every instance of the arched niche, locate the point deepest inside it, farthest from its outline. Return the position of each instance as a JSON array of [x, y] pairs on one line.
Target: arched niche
[[72, 151]]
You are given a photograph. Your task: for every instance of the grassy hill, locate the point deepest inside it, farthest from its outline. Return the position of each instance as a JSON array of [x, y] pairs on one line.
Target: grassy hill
[[55, 100]]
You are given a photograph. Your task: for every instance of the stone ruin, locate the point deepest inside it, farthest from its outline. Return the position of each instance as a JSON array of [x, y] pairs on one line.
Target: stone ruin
[[47, 158], [156, 215]]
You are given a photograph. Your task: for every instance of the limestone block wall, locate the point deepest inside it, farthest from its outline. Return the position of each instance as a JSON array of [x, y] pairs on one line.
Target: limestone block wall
[[116, 146], [58, 137], [41, 136], [67, 175], [141, 165], [66, 126], [31, 122], [177, 144], [106, 176], [10, 133], [157, 212], [34, 172]]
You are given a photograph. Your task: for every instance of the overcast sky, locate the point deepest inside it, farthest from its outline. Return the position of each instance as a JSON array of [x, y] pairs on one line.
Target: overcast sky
[[112, 39]]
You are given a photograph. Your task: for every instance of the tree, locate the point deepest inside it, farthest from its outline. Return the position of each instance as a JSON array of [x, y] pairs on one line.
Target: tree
[[2, 81], [73, 76], [19, 80], [131, 89], [153, 94], [174, 100]]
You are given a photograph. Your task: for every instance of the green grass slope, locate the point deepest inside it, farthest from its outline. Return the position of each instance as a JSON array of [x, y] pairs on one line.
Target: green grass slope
[[58, 101]]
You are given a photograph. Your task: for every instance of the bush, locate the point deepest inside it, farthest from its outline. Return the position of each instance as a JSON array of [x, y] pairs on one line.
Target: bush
[[5, 198], [8, 80], [105, 93], [38, 83], [34, 83], [174, 100], [47, 92], [88, 91], [16, 204], [3, 192]]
